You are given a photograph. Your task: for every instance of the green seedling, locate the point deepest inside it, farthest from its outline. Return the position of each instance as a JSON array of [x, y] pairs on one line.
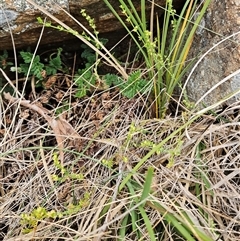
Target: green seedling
[[33, 67]]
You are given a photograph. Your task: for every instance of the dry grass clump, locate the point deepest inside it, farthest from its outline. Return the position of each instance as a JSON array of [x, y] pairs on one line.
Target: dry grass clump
[[62, 173]]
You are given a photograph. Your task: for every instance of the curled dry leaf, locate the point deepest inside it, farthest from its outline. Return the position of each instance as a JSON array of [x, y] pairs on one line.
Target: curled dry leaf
[[59, 95], [50, 82]]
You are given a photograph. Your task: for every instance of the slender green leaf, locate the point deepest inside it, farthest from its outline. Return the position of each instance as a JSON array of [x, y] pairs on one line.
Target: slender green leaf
[[147, 185]]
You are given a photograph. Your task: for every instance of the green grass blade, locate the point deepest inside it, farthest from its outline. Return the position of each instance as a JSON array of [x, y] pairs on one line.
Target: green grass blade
[[134, 14], [131, 13], [134, 215], [174, 36], [123, 228], [143, 15], [186, 229], [173, 221], [134, 219], [136, 40], [166, 21], [147, 185], [147, 223]]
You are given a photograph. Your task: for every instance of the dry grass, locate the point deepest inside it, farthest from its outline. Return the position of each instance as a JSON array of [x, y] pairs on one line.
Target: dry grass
[[196, 172], [97, 142]]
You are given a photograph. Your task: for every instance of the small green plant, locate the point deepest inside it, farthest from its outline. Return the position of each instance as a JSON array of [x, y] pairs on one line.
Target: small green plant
[[30, 221], [147, 144], [86, 78], [174, 152], [108, 162], [133, 85], [38, 69], [65, 174]]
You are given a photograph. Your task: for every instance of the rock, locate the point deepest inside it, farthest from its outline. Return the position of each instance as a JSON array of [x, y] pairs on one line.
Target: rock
[[19, 17], [221, 20]]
